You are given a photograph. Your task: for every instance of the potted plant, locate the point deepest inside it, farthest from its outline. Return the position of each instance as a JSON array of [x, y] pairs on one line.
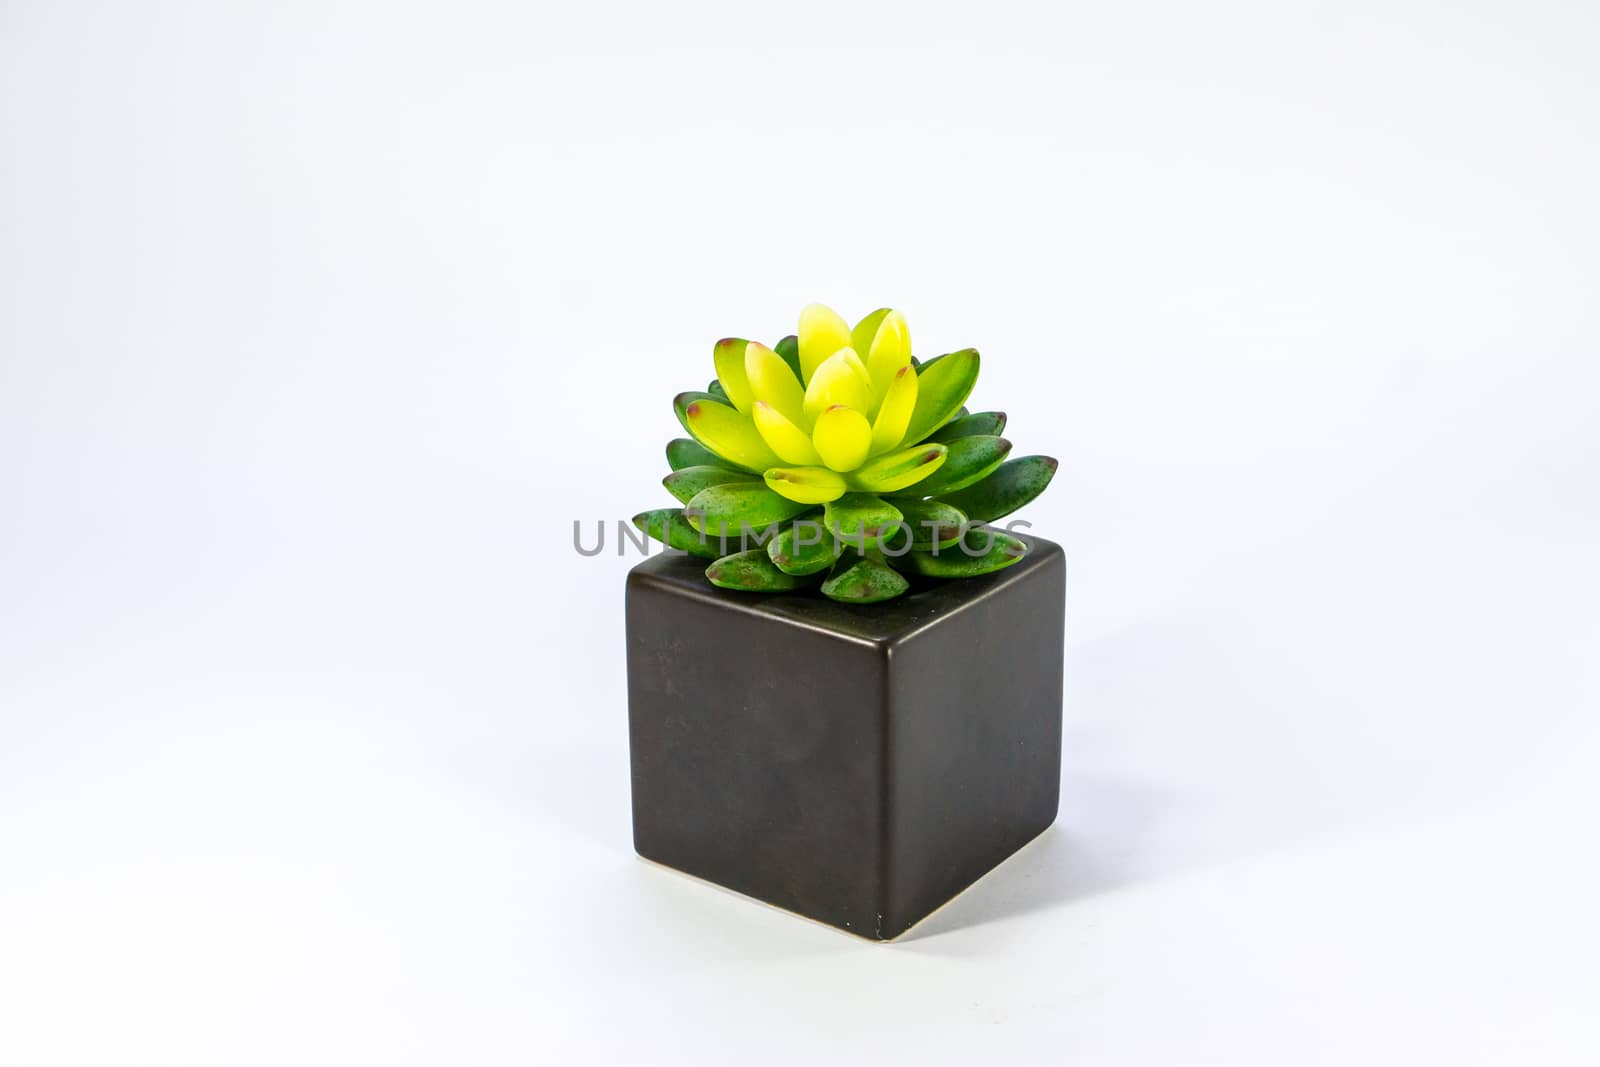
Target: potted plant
[[854, 710]]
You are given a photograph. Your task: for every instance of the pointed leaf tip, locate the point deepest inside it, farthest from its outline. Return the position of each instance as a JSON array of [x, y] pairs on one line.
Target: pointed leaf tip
[[894, 411], [983, 423], [896, 470], [1011, 485], [943, 386], [982, 551], [967, 460], [729, 357], [671, 527]]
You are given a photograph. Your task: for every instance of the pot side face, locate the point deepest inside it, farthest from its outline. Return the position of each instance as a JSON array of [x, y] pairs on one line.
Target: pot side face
[[856, 764]]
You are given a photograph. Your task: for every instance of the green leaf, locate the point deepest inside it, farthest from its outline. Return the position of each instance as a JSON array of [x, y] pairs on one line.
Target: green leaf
[[967, 460], [788, 350], [983, 423], [685, 483], [930, 362], [1013, 484], [943, 385], [715, 389], [683, 452], [740, 509], [927, 522], [856, 517], [862, 334], [668, 526], [980, 551], [752, 572], [863, 580], [803, 546], [898, 470]]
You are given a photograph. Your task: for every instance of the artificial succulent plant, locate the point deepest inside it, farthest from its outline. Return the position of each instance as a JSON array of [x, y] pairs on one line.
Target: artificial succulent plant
[[847, 462]]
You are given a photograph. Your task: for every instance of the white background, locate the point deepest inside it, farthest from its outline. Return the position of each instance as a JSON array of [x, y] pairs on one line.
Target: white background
[[321, 322]]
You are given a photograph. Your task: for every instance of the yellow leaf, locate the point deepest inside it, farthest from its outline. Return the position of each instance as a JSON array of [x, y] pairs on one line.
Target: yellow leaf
[[891, 350], [806, 485], [839, 379], [729, 358], [842, 437], [894, 413], [861, 337], [772, 380], [729, 434], [822, 333], [789, 441]]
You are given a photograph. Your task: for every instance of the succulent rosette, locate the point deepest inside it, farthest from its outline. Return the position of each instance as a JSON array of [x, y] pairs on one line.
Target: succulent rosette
[[846, 461]]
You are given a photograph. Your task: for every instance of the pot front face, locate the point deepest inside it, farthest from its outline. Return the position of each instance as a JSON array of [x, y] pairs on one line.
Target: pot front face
[[858, 765]]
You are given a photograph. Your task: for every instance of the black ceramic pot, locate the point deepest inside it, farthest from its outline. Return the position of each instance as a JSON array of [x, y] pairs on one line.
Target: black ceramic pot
[[856, 764]]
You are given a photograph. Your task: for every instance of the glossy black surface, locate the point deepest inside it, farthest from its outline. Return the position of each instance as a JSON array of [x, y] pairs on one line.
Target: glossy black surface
[[859, 765]]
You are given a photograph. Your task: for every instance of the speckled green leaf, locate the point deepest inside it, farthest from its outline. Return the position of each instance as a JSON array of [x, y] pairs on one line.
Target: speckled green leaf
[[668, 526], [748, 507], [753, 572], [968, 460], [803, 546], [716, 390], [981, 551], [858, 517], [685, 483], [1013, 484], [863, 580], [982, 423], [926, 522], [683, 452]]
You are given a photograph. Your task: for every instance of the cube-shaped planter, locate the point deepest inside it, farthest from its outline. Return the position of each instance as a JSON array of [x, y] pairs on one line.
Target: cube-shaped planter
[[855, 764]]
